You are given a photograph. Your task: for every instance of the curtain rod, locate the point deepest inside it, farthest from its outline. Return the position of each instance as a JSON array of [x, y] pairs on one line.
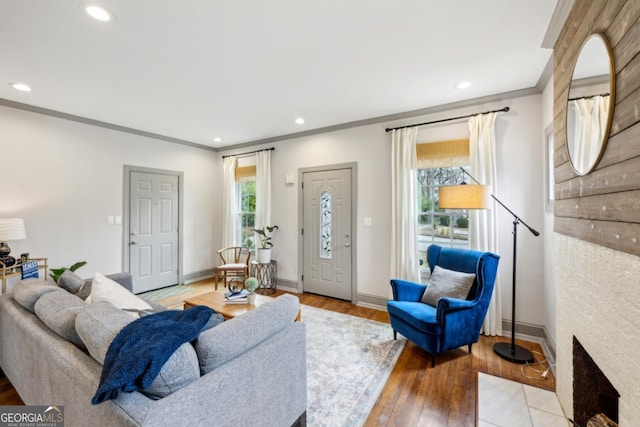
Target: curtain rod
[[588, 96], [249, 152], [505, 109]]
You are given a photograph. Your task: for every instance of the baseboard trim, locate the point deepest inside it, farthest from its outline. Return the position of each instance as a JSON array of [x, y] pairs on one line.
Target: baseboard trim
[[372, 301], [198, 275], [533, 333]]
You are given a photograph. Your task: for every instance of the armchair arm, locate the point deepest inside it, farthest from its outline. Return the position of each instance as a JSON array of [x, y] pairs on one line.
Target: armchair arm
[[407, 291], [446, 305]]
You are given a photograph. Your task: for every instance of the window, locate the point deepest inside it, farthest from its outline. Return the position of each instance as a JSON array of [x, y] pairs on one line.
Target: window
[[246, 193], [439, 164], [325, 225]]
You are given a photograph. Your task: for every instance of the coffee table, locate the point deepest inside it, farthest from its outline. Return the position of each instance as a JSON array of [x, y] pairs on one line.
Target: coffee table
[[215, 300]]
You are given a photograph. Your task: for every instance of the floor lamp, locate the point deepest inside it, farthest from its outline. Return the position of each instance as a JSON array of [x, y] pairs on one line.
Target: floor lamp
[[478, 197]]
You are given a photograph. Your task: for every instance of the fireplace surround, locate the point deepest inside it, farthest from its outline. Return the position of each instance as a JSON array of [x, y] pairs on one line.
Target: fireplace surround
[[593, 393]]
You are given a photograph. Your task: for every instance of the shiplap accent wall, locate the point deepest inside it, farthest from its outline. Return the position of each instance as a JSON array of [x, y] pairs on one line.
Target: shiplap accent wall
[[602, 207]]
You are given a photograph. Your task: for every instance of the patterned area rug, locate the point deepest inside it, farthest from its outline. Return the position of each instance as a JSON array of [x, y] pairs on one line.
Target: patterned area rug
[[166, 292], [349, 360]]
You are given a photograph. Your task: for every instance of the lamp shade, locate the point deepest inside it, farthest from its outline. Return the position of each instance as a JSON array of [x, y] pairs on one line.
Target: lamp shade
[[466, 196], [12, 229]]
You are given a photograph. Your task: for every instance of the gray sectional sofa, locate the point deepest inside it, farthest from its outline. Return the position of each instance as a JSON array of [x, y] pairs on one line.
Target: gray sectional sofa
[[249, 371]]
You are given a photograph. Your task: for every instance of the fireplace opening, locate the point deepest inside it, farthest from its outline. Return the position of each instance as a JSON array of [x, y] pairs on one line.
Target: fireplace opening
[[593, 394]]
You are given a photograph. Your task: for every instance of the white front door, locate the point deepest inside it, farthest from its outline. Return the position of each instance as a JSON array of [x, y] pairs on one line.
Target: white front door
[[153, 230], [327, 234]]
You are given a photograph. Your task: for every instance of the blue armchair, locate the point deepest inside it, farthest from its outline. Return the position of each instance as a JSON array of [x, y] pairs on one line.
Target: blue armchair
[[454, 322]]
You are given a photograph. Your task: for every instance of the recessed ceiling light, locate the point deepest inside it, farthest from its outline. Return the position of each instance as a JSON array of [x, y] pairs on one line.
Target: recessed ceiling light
[[217, 139], [99, 13], [463, 85], [21, 87], [300, 121]]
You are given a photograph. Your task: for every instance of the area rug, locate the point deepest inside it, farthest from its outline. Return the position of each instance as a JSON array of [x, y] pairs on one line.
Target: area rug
[[349, 360], [169, 291]]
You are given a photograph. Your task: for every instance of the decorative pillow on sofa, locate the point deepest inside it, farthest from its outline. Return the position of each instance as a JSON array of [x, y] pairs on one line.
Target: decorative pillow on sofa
[[99, 323], [85, 290], [105, 289], [58, 310], [447, 283], [233, 337], [70, 282], [26, 293]]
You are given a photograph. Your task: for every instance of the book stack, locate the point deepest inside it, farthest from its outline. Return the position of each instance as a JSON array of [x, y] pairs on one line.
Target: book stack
[[236, 297]]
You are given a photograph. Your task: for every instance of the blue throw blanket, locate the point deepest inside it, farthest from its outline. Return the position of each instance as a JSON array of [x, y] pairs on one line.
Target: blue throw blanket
[[138, 352]]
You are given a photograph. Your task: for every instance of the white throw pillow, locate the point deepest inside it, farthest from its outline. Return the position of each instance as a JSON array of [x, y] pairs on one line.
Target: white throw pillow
[[105, 289]]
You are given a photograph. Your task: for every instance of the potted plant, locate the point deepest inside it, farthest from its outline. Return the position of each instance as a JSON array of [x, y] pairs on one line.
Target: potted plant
[[55, 273], [251, 284], [264, 251]]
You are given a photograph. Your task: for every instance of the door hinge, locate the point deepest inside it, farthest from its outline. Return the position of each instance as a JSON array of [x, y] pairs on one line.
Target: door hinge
[[302, 278], [302, 231], [302, 185]]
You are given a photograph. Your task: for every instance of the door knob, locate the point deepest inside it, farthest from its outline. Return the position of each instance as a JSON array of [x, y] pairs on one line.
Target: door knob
[[134, 242], [347, 244], [134, 233]]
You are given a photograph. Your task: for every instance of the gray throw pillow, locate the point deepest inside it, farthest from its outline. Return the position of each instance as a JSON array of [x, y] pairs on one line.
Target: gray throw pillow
[[99, 323], [226, 341], [70, 282], [58, 310], [447, 283], [85, 290], [26, 294]]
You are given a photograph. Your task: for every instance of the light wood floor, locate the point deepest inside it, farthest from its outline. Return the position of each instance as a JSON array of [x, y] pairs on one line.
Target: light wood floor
[[415, 394]]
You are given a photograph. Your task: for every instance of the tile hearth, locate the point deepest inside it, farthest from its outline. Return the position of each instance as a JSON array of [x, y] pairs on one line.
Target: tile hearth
[[505, 403]]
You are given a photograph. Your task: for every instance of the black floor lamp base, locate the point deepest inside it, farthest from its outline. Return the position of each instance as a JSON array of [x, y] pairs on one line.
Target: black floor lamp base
[[518, 355]]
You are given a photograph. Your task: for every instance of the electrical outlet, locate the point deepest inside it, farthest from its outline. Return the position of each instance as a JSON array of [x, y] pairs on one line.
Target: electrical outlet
[[110, 220], [367, 222], [118, 220]]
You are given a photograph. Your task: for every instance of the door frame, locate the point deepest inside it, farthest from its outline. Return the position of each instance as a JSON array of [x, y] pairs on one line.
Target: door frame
[[126, 213], [353, 166]]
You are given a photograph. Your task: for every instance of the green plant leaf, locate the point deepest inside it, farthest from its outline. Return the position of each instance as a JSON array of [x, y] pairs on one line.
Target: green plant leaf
[[77, 265]]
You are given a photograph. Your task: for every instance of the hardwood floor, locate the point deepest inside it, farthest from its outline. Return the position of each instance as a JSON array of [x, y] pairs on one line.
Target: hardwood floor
[[415, 394]]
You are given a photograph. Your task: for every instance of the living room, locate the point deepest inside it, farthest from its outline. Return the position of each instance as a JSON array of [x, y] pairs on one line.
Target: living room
[[70, 179]]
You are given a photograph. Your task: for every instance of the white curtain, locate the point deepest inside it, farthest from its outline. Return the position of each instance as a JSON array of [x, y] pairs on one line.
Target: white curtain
[[263, 189], [404, 221], [590, 123], [229, 202], [483, 223]]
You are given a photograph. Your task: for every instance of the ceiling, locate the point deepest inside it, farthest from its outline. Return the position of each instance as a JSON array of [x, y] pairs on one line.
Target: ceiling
[[243, 71]]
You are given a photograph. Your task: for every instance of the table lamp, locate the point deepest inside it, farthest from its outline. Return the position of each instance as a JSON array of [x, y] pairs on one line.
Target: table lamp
[[10, 229]]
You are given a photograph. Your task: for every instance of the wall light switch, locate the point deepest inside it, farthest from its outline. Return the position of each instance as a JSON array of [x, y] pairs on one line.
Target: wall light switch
[[366, 222], [110, 220], [118, 219], [289, 179]]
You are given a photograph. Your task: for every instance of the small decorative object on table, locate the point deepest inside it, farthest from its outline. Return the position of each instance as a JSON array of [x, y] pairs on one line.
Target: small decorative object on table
[[24, 257], [237, 294], [30, 270], [251, 284]]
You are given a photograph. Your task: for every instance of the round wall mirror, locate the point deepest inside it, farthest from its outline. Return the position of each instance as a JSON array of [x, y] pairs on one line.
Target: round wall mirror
[[590, 104]]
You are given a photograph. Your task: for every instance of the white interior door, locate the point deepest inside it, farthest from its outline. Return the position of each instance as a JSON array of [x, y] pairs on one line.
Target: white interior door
[[153, 225], [327, 233]]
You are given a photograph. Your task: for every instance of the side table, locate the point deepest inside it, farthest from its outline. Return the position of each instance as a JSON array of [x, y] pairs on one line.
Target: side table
[[16, 271], [267, 275]]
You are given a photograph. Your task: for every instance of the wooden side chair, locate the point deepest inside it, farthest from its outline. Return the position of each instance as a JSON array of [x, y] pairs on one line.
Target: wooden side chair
[[235, 263]]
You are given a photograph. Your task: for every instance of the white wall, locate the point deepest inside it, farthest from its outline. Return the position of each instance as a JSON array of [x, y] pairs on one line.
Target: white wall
[[65, 178], [520, 186]]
